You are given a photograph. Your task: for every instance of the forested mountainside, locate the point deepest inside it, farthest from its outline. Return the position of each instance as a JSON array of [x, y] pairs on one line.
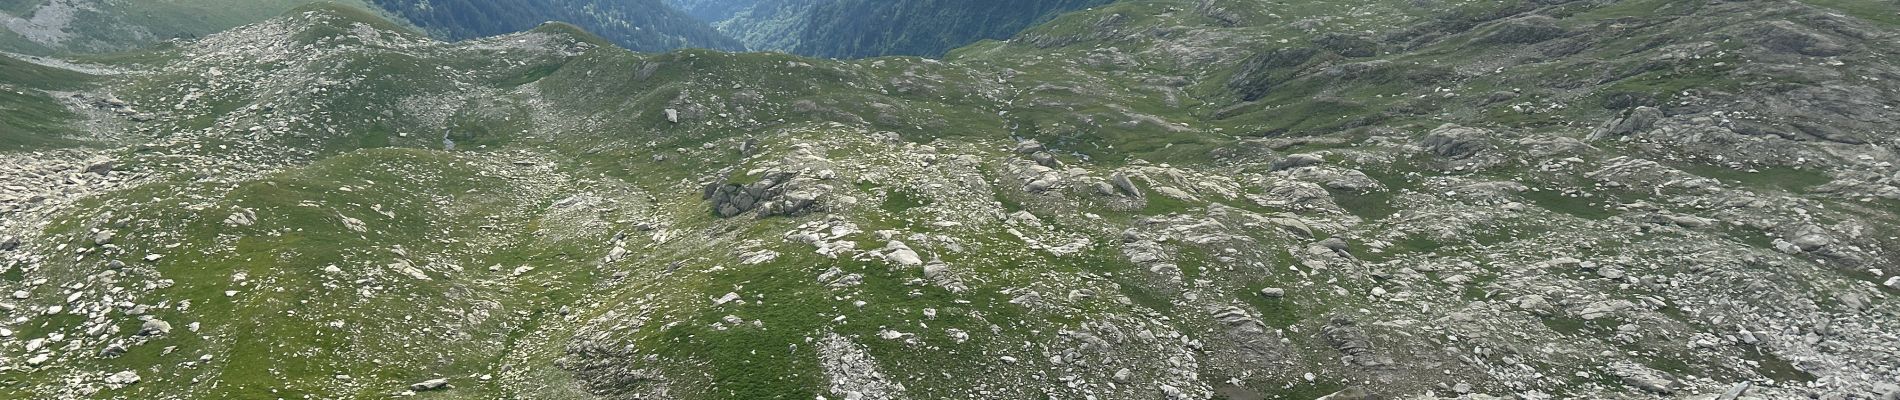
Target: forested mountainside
[[1239, 199], [640, 25], [821, 28], [712, 11], [866, 28]]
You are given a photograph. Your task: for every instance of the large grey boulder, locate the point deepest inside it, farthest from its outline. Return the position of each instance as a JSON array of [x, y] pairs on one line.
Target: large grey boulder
[[1453, 141], [1352, 342], [1296, 161], [1637, 120], [775, 194], [939, 273], [1645, 378], [1125, 185]]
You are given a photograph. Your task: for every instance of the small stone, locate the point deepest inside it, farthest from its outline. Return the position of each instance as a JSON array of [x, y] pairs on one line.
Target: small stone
[[155, 327], [123, 378], [243, 217], [1735, 392], [101, 166], [1296, 161], [1888, 391], [1610, 272], [1171, 393], [1812, 242], [1644, 378], [432, 384], [902, 255], [728, 298], [1335, 244], [1029, 146]]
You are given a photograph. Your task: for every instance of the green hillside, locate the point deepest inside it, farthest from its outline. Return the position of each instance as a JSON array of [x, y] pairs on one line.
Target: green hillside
[[1357, 199]]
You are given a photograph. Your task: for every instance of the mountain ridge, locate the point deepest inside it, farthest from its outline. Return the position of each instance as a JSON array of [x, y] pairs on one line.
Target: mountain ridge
[[641, 25], [44, 27]]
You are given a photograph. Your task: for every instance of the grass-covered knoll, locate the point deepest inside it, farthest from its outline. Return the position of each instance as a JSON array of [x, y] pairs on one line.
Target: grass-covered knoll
[[29, 115], [23, 74], [321, 299], [30, 120]]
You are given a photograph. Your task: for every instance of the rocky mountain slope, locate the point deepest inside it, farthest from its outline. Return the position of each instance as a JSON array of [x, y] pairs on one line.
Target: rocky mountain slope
[[1188, 200], [45, 27], [42, 27]]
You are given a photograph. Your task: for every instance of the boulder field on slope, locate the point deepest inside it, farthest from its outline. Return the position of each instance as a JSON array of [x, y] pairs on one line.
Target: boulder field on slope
[[1359, 199]]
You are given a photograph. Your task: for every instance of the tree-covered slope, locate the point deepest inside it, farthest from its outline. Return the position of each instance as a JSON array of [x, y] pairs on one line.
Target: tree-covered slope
[[641, 25], [866, 28], [712, 11]]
